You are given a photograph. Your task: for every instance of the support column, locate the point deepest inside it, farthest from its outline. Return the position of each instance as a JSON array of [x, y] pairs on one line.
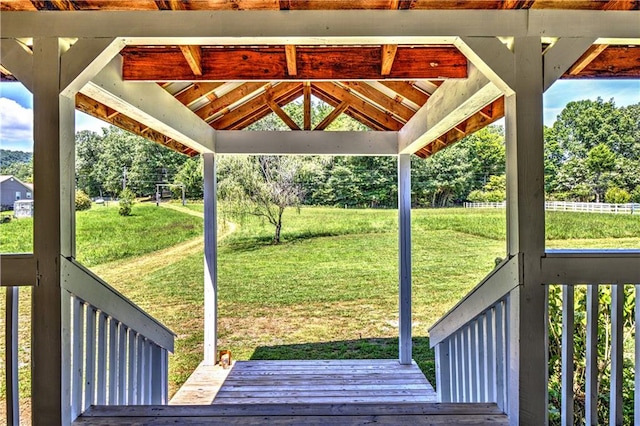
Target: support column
[[53, 230], [210, 260], [527, 366], [404, 260]]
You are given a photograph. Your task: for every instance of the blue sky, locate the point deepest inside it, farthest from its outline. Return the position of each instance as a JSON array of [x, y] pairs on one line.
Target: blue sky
[[16, 106]]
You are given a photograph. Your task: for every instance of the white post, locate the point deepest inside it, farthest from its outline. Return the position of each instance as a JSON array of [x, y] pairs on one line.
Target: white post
[[404, 249], [53, 230], [210, 260], [526, 354]]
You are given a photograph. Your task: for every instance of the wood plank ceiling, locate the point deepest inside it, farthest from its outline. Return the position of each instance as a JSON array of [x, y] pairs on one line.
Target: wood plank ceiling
[[231, 87]]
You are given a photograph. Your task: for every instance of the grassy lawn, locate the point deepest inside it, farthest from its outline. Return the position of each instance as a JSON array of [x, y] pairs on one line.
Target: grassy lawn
[[330, 289]]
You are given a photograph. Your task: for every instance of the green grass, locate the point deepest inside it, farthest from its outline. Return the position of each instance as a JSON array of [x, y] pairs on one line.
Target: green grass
[[103, 235]]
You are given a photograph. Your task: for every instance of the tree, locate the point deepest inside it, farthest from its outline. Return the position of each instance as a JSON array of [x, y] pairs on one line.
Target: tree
[[262, 186], [600, 161], [190, 175]]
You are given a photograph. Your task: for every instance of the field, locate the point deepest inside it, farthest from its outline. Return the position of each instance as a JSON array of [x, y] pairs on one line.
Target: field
[[328, 291]]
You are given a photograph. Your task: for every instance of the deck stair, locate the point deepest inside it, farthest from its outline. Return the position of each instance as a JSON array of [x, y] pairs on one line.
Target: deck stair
[[298, 414]]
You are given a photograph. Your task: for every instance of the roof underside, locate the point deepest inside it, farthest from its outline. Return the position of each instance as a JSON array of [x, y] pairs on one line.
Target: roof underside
[[381, 86]]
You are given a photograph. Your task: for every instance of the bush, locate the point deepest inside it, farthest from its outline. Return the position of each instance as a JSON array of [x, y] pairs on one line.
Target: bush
[[127, 199], [615, 195], [477, 196], [635, 195], [83, 202]]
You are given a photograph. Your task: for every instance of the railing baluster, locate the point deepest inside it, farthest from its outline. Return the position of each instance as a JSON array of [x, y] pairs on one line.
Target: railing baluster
[[140, 369], [131, 370], [89, 357], [101, 377], [636, 411], [568, 314], [591, 385], [67, 332], [113, 360], [617, 351], [453, 369], [500, 357], [156, 374], [11, 359], [77, 359], [149, 372], [443, 374], [480, 357], [459, 371], [464, 342], [490, 358], [473, 364], [122, 364]]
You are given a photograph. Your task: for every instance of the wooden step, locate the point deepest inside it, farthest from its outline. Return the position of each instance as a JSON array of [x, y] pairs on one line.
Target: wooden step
[[298, 414]]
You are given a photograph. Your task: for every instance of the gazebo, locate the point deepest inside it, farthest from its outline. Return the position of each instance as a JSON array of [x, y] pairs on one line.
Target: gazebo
[[421, 74]]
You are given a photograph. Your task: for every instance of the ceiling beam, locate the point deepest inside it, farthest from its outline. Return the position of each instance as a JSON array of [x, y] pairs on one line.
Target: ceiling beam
[[152, 106], [307, 143], [452, 103], [197, 91], [330, 118], [408, 91], [613, 62], [561, 55], [306, 93], [308, 63], [304, 27], [388, 55], [587, 57], [17, 58], [290, 53], [279, 111], [209, 111], [193, 55], [390, 104]]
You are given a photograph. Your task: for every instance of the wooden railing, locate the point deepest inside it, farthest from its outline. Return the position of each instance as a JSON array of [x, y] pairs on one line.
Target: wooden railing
[[471, 341], [117, 353]]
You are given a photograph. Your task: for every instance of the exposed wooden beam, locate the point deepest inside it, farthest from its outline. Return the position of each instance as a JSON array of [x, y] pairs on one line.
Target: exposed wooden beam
[[592, 53], [55, 5], [621, 5], [307, 143], [197, 91], [290, 53], [210, 110], [245, 121], [613, 62], [193, 55], [306, 92], [408, 91], [332, 116], [18, 59], [389, 104], [517, 4], [388, 55], [311, 63], [280, 112], [561, 55]]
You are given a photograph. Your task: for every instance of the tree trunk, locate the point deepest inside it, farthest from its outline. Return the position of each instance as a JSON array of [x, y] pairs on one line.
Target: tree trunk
[[276, 238]]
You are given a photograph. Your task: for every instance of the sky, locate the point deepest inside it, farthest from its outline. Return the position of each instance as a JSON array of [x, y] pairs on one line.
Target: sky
[[16, 107]]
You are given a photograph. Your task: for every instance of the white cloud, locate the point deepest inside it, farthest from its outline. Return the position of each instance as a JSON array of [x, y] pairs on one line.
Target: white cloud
[[16, 122]]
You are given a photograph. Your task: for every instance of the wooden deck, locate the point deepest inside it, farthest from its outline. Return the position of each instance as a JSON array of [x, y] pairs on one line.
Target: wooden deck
[[307, 382]]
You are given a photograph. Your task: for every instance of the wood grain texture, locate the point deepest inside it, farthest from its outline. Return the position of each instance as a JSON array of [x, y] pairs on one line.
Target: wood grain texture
[[407, 90], [311, 63], [612, 62]]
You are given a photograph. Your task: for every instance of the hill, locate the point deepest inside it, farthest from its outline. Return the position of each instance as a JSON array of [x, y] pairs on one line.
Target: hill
[[8, 157]]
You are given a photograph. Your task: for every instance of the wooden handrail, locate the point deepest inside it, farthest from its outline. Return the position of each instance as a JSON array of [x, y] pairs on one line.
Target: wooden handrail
[[591, 267], [87, 286], [17, 269]]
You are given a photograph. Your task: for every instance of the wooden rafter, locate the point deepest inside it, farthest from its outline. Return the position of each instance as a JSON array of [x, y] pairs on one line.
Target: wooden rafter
[[197, 91], [193, 55], [306, 92], [332, 116], [312, 63], [621, 5], [290, 55], [517, 4], [279, 111], [408, 91], [245, 121], [389, 104], [55, 5], [587, 58], [210, 110], [388, 55], [612, 62]]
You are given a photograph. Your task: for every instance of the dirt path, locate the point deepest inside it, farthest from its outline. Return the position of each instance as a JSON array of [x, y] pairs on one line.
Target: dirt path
[[182, 209]]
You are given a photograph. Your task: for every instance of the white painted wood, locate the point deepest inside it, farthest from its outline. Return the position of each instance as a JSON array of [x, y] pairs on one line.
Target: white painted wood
[[140, 369], [636, 413], [148, 373], [491, 289], [500, 364], [466, 364], [66, 323], [568, 315], [77, 356], [113, 363], [151, 105], [600, 267], [88, 286], [131, 367], [475, 361], [451, 104], [157, 372], [101, 366], [404, 258], [455, 368], [617, 354], [17, 58], [591, 370], [492, 58], [11, 356], [89, 357], [443, 372], [84, 59], [53, 232], [317, 27], [306, 142], [122, 364], [559, 57], [490, 378], [210, 259], [17, 270]]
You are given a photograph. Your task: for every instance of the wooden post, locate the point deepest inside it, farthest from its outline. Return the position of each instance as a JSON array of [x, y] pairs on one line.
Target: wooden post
[[404, 261], [53, 230], [210, 260], [526, 354]]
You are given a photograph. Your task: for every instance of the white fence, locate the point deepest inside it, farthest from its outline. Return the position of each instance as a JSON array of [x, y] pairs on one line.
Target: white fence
[[567, 206]]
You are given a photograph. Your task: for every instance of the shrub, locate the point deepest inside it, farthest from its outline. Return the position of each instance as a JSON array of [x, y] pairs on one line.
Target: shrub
[[83, 202], [635, 195], [477, 196], [615, 195], [127, 199]]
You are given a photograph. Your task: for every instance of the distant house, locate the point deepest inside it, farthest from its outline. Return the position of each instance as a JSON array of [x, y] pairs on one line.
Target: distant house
[[13, 189]]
